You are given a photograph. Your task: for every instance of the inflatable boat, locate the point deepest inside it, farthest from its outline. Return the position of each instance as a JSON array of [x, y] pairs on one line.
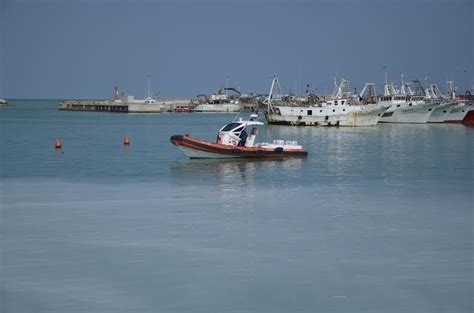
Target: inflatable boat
[[233, 142]]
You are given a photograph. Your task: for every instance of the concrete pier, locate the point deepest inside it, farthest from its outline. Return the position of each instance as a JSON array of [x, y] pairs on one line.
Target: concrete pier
[[126, 104]]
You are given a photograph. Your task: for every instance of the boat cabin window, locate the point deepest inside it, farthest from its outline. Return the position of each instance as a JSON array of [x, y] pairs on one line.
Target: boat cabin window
[[342, 102], [230, 126], [239, 129], [310, 112]]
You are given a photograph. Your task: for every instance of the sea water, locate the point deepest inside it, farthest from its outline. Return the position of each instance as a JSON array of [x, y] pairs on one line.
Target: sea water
[[375, 219]]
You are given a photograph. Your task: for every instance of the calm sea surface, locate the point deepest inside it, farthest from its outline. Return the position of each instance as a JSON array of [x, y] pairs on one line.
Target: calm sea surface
[[376, 219]]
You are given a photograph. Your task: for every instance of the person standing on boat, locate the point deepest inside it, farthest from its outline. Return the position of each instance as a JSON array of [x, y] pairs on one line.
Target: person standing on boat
[[243, 138]]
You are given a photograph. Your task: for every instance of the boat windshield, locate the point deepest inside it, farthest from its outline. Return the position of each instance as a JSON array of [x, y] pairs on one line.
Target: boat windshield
[[230, 126]]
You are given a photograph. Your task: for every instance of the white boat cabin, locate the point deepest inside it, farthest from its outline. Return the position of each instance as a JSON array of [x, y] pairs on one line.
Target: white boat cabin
[[235, 133]]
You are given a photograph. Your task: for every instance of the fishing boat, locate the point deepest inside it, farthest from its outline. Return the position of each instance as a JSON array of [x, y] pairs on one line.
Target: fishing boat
[[445, 104], [461, 110], [343, 108], [233, 142], [221, 102], [459, 113], [406, 105], [3, 102]]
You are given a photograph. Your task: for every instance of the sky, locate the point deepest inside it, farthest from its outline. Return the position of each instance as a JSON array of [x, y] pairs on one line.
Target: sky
[[81, 48]]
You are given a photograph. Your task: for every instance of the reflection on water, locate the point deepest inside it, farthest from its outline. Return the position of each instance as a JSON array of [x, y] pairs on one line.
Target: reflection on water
[[233, 173], [236, 182]]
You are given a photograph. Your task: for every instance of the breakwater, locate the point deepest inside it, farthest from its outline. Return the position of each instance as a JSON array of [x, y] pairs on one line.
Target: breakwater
[[126, 105]]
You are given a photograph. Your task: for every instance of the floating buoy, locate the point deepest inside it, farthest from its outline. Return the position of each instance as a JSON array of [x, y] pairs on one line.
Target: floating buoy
[[58, 144], [126, 141]]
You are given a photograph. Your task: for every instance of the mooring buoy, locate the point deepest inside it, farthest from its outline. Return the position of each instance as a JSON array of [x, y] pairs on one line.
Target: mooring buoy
[[126, 141], [58, 144]]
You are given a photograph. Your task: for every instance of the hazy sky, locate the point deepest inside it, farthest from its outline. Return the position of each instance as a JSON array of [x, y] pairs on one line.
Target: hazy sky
[[80, 48]]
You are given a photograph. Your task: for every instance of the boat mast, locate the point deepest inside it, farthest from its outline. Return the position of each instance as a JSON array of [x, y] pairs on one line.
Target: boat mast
[[149, 95], [270, 94], [402, 87], [299, 80], [387, 90], [451, 89]]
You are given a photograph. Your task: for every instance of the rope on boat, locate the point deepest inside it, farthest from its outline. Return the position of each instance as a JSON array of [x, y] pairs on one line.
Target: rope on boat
[[238, 113]]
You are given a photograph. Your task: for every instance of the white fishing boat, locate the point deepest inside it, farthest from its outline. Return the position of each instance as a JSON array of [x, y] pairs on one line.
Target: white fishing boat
[[441, 112], [218, 108], [406, 105], [3, 102], [458, 112], [460, 108], [342, 109], [445, 104], [221, 102]]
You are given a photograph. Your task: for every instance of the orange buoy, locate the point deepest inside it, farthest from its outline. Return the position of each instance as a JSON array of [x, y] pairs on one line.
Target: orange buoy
[[126, 141], [58, 144]]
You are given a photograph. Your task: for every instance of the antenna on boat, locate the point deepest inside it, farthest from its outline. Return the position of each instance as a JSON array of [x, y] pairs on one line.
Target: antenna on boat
[[149, 94], [386, 75], [299, 80], [451, 89], [237, 115]]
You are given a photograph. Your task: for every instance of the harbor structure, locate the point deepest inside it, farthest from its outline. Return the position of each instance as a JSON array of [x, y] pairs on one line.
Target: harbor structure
[[126, 104]]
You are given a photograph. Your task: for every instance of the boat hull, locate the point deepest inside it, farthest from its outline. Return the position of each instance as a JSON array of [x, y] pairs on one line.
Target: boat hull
[[183, 110], [416, 114], [218, 108], [457, 113], [469, 118], [440, 113], [199, 149], [368, 117]]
